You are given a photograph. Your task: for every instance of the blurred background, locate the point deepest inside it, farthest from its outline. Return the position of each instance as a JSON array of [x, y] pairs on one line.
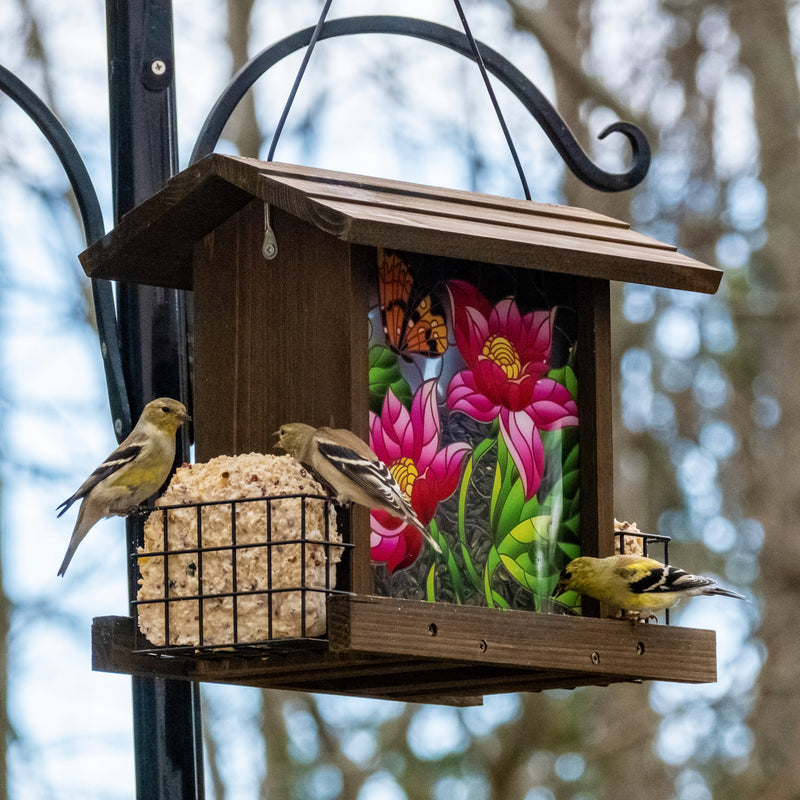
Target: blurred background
[[706, 408]]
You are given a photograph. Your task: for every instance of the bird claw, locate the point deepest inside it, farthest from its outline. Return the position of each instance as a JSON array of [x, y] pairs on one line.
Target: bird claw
[[635, 617]]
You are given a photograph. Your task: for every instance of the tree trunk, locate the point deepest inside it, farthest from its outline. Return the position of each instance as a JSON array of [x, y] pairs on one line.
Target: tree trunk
[[770, 331]]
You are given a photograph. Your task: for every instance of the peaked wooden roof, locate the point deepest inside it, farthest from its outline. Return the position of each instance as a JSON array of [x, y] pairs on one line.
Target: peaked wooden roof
[[153, 243]]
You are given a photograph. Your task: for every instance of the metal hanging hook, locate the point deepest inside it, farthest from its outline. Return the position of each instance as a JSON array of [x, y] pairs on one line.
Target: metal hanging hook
[[497, 65], [270, 247]]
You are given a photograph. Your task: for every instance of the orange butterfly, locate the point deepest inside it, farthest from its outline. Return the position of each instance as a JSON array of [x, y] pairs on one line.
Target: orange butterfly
[[411, 328]]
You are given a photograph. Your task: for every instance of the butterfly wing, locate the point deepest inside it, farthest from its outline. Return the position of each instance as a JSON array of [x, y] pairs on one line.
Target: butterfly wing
[[394, 289], [426, 330], [412, 326]]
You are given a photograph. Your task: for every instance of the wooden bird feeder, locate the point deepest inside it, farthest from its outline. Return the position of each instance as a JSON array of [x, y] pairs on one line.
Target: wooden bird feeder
[[468, 336]]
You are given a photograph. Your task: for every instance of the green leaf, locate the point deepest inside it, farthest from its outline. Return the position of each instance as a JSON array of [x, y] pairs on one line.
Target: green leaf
[[570, 549], [570, 483], [566, 377], [430, 585], [515, 570], [543, 585], [572, 461], [539, 528], [447, 555], [493, 598], [477, 454], [384, 374]]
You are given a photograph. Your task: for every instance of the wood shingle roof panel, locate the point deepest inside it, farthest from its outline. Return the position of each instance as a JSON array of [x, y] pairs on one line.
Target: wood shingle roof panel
[[154, 242]]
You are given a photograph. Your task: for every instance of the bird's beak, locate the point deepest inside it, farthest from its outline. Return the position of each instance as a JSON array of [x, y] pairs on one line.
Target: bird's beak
[[561, 587], [185, 418]]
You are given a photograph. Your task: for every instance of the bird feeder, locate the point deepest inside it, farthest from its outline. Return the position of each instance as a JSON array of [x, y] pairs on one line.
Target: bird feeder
[[468, 338]]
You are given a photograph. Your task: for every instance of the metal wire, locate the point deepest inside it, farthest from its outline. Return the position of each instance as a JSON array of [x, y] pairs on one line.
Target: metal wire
[[201, 596], [298, 78], [475, 54], [482, 67]]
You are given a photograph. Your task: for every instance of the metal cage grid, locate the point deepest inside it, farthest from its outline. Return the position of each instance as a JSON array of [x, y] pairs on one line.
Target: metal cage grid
[[170, 556]]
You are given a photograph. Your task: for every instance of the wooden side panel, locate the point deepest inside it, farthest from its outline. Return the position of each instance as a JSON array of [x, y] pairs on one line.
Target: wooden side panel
[[597, 461], [280, 341], [224, 374], [388, 626], [275, 341]]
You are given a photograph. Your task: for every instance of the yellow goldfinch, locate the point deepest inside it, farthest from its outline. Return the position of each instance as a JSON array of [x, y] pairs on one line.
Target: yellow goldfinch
[[636, 584], [131, 474], [350, 467]]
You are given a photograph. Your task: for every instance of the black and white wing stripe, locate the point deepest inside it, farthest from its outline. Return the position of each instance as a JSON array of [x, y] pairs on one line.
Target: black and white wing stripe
[[669, 579], [371, 475], [115, 462]]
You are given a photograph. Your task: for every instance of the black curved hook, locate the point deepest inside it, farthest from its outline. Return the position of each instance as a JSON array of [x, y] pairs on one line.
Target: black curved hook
[[93, 229], [534, 101]]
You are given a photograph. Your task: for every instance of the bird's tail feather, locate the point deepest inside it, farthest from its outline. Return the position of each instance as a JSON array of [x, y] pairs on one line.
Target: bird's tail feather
[[728, 593], [73, 546], [78, 534], [417, 523], [66, 504], [429, 539]]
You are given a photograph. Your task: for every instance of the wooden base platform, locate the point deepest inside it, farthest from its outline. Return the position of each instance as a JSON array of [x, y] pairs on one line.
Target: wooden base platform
[[435, 653]]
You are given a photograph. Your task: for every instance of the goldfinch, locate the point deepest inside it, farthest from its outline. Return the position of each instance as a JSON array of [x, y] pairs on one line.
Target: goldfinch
[[639, 585], [352, 470], [131, 474]]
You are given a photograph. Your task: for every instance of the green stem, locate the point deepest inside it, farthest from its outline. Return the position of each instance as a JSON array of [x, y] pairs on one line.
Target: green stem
[[452, 566], [479, 451]]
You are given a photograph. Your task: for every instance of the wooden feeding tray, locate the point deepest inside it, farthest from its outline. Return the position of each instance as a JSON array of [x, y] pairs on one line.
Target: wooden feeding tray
[[415, 651], [435, 653], [384, 302]]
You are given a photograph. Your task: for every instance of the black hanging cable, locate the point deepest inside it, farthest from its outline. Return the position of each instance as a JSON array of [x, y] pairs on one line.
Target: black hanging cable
[[476, 55], [482, 67], [298, 78]]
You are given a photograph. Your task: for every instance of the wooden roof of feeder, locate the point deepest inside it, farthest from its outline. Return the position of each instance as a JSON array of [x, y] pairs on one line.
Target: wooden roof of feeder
[[153, 243]]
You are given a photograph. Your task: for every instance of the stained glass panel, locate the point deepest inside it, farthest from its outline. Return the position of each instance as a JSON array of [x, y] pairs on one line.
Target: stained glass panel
[[473, 405]]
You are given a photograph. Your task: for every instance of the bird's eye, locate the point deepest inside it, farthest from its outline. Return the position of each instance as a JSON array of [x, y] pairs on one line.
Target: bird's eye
[[165, 409]]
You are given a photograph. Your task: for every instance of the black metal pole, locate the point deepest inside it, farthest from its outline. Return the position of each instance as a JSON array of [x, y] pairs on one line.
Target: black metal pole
[[166, 713]]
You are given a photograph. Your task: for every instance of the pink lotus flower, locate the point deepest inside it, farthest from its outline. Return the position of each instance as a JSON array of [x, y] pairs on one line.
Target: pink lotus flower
[[408, 443], [507, 355]]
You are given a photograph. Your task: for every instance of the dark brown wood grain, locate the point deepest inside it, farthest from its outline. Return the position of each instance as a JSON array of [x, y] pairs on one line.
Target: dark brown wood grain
[[595, 418], [384, 648], [275, 340], [387, 626], [280, 341], [154, 242]]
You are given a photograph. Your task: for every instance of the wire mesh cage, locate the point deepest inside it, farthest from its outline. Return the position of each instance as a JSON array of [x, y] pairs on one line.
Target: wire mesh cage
[[636, 542], [237, 574]]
